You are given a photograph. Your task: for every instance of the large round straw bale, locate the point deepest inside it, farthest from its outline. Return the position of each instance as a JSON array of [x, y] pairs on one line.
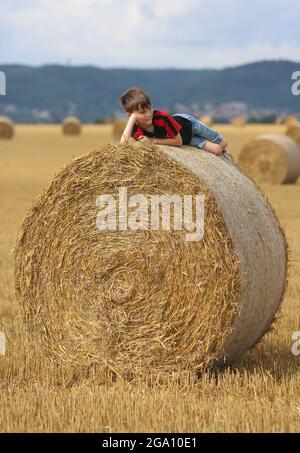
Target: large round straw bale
[[239, 121], [135, 300], [207, 120], [118, 128], [6, 127], [71, 126], [294, 133], [271, 158]]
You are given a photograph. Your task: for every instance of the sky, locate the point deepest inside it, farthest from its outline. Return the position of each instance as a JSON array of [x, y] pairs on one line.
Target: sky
[[191, 34]]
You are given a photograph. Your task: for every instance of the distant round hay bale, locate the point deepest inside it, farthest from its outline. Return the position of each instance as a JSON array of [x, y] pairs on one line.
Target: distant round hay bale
[[71, 126], [7, 128], [118, 128], [291, 121], [207, 120], [137, 300], [271, 158], [239, 121], [294, 133]]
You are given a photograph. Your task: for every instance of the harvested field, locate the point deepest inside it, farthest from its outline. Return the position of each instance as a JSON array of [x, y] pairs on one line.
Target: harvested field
[[260, 392]]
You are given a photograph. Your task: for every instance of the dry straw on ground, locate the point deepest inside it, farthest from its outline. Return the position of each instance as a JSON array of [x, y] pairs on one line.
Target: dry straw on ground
[[271, 158], [239, 121], [71, 126], [207, 120], [134, 301], [118, 128], [294, 133], [6, 127]]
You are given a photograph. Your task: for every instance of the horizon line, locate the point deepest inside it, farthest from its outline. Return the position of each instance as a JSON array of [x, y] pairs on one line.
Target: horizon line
[[133, 68]]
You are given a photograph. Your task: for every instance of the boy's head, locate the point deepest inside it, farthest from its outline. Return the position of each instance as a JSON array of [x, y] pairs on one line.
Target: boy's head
[[134, 100], [137, 101]]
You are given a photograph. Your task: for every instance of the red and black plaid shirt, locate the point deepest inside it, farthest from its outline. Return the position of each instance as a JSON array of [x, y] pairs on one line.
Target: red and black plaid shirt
[[164, 126]]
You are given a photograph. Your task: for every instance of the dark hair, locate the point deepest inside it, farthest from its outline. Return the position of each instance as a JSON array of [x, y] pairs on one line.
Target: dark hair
[[135, 99]]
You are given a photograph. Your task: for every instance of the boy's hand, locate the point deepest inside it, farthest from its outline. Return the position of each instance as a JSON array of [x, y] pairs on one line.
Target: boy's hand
[[133, 117], [145, 139]]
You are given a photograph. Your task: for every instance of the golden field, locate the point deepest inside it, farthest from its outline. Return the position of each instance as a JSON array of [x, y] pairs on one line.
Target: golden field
[[260, 393]]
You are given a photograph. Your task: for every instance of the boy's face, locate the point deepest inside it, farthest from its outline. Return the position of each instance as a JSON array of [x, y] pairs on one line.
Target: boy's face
[[143, 116]]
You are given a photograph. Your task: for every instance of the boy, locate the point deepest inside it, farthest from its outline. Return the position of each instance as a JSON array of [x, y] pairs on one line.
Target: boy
[[158, 126]]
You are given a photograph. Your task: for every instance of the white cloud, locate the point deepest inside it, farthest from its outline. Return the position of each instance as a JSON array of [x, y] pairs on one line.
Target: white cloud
[[148, 33], [167, 8]]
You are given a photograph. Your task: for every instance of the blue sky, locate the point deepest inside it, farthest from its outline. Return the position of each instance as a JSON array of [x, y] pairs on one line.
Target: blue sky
[[149, 33]]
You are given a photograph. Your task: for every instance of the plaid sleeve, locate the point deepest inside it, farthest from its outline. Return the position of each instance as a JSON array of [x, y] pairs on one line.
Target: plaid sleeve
[[165, 120], [137, 132]]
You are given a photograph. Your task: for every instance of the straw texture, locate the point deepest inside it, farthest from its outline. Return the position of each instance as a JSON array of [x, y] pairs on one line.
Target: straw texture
[[6, 128], [292, 120], [258, 240], [294, 133], [71, 126]]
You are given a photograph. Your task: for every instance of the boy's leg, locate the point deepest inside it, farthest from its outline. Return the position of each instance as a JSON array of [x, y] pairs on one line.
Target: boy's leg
[[203, 143], [215, 142], [210, 134], [201, 130]]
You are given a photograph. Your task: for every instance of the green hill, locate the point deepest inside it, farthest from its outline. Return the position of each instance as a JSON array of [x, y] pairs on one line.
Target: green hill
[[48, 93]]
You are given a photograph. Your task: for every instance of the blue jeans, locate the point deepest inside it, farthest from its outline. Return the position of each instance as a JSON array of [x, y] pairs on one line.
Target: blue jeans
[[201, 133]]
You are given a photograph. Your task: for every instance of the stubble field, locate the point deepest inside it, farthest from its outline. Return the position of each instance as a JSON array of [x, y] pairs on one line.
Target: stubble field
[[259, 393]]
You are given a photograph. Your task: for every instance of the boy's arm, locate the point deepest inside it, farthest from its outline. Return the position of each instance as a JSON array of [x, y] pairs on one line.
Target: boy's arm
[[176, 141], [128, 129], [172, 129]]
